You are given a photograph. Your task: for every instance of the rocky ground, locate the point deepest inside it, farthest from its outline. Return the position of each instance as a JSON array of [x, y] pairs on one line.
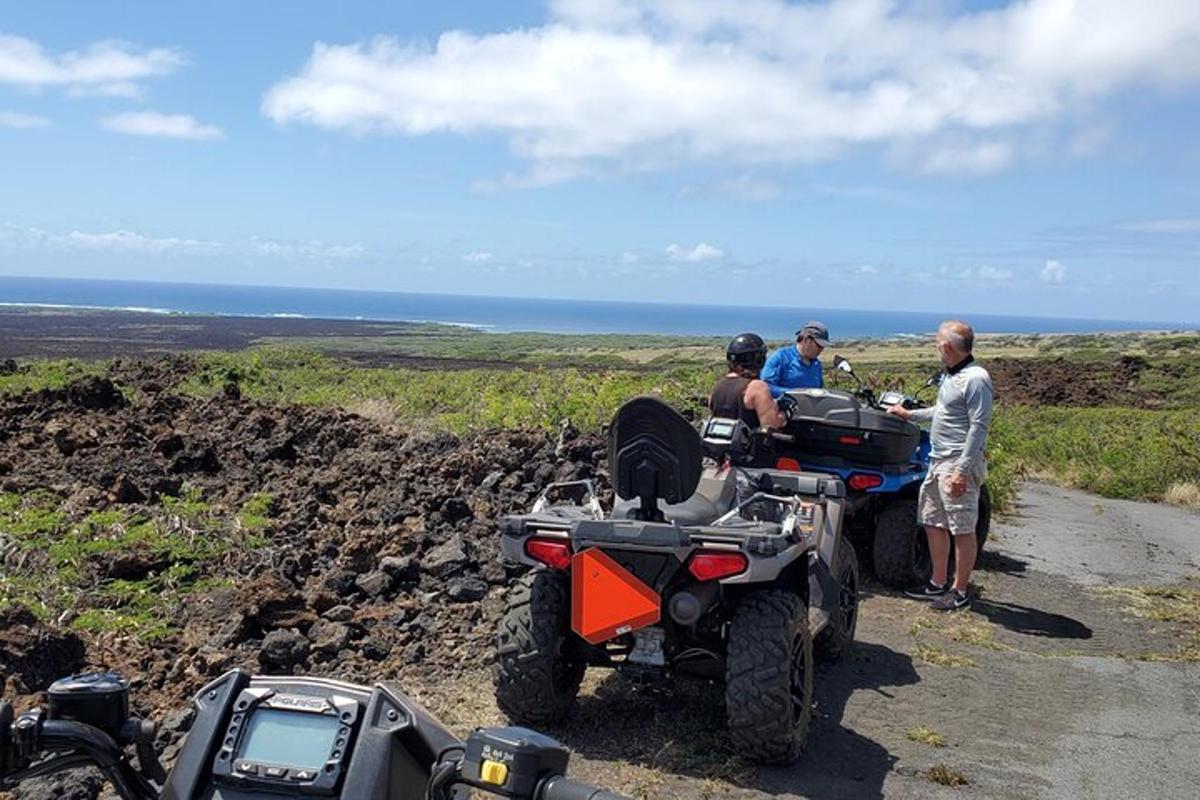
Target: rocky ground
[[380, 555]]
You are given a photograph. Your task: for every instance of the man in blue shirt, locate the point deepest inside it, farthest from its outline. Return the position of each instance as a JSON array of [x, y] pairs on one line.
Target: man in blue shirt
[[798, 367]]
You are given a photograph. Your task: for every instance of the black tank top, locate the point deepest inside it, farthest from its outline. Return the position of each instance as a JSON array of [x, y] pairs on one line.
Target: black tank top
[[728, 399]]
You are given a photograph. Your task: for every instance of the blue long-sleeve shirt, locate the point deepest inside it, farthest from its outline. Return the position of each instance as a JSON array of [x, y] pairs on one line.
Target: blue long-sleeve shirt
[[785, 369]]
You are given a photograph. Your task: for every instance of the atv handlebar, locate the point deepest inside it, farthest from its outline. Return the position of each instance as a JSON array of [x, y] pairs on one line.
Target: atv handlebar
[[562, 788], [25, 742], [32, 745]]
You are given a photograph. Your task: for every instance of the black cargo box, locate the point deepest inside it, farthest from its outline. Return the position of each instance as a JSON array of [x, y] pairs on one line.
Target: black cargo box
[[830, 423]]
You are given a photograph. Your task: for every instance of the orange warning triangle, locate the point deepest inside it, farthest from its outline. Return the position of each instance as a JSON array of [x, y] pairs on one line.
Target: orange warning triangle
[[607, 600]]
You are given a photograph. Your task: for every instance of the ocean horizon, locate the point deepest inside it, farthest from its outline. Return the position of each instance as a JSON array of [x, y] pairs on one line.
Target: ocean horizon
[[509, 314]]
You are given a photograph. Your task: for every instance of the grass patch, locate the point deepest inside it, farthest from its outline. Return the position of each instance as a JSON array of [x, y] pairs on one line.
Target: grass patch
[[1127, 453], [1159, 603], [120, 570], [1184, 493], [1176, 605], [49, 374], [946, 776], [932, 654], [927, 736]]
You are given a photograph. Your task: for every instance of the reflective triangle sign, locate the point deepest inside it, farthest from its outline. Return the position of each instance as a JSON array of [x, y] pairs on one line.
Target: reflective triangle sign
[[607, 600]]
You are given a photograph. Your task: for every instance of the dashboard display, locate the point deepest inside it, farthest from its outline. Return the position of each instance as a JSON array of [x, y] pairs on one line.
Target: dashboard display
[[289, 738]]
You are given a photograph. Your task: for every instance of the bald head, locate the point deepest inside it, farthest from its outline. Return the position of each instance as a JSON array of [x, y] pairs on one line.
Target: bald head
[[958, 334]]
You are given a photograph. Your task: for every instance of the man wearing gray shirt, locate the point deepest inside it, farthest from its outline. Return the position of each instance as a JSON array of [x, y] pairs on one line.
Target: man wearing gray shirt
[[949, 498]]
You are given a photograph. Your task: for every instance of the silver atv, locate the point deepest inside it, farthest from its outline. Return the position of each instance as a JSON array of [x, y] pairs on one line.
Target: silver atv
[[704, 568]]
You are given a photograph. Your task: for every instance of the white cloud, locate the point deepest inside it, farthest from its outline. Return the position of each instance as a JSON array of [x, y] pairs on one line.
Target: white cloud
[[971, 158], [701, 252], [154, 123], [311, 250], [1164, 226], [477, 257], [865, 271], [12, 119], [989, 273], [981, 274], [128, 241], [1054, 272], [106, 67], [629, 257], [746, 188], [637, 85]]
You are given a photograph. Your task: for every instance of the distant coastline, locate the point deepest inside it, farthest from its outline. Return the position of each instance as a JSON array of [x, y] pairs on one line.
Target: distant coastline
[[509, 314]]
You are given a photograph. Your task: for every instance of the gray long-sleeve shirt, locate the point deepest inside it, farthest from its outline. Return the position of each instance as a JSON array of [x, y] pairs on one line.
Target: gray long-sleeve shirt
[[961, 419]]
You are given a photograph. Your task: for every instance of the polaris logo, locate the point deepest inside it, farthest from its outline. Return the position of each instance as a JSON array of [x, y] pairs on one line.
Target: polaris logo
[[295, 701]]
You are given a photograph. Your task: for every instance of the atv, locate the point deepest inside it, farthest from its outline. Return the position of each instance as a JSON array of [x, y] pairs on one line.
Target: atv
[[882, 460], [703, 568], [273, 737]]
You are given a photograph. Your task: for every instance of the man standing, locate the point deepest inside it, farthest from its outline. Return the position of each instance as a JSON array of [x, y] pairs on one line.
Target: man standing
[[949, 497], [798, 367]]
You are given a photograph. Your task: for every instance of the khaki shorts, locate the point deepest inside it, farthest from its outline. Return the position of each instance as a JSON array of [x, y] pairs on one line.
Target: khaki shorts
[[936, 508]]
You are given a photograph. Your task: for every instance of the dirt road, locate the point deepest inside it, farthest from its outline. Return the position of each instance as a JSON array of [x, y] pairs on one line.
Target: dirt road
[[1049, 688]]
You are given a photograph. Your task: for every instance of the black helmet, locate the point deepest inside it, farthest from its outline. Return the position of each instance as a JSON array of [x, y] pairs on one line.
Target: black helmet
[[747, 350]]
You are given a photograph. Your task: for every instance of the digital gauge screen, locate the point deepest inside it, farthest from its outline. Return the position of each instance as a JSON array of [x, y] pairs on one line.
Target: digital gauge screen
[[289, 738], [720, 429]]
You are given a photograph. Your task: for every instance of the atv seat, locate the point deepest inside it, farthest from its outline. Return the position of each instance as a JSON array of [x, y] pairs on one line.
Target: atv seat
[[715, 495], [655, 455]]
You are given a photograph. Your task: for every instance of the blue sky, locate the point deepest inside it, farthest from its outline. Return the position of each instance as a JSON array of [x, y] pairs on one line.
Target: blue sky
[[1039, 157]]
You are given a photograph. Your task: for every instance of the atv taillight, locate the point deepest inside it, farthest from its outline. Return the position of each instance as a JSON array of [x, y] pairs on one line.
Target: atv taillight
[[788, 464], [554, 553], [861, 481], [712, 566], [855, 440]]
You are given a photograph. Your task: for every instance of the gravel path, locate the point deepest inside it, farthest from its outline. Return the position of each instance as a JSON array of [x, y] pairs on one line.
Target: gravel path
[[1058, 702]]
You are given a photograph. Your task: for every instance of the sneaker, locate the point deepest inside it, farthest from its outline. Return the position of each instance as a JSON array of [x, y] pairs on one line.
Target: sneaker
[[930, 591], [952, 601]]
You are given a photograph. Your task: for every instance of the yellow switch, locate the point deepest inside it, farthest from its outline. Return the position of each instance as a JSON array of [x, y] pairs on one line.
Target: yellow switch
[[494, 772]]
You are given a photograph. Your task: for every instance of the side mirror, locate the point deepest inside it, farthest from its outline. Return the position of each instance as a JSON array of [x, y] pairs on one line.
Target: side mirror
[[843, 365]]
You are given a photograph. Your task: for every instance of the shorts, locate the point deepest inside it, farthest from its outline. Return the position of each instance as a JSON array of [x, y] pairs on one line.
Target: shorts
[[937, 509]]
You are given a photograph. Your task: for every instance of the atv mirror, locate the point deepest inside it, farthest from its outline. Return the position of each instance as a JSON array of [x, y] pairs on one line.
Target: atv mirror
[[934, 380], [843, 365]]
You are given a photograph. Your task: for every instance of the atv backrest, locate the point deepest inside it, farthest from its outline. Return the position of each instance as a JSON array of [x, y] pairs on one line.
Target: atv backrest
[[654, 454]]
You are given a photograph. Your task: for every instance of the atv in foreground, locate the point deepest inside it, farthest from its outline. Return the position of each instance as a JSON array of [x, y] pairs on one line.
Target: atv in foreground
[[702, 568], [275, 737], [882, 460]]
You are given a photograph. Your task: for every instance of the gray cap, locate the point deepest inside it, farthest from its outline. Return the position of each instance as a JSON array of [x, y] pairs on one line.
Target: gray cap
[[815, 330]]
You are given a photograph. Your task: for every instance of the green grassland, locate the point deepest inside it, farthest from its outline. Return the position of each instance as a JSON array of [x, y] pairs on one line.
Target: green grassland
[[1150, 452]]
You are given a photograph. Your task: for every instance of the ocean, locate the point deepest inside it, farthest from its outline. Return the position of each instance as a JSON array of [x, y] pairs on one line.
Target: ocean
[[517, 314]]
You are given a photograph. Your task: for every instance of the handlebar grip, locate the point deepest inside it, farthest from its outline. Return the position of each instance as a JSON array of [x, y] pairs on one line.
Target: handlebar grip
[[561, 788]]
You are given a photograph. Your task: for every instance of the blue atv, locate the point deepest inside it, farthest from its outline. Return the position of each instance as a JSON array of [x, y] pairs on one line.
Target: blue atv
[[882, 461]]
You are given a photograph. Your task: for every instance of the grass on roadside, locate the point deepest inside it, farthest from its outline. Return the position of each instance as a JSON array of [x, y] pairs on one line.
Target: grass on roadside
[[946, 776], [926, 735]]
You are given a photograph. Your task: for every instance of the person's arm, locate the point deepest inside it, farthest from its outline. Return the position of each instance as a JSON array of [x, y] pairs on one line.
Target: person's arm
[[772, 373], [912, 414], [758, 399], [978, 395]]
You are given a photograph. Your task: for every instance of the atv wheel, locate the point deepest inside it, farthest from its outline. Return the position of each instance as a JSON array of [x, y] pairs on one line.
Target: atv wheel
[[769, 676], [924, 564], [898, 545], [536, 682], [837, 638]]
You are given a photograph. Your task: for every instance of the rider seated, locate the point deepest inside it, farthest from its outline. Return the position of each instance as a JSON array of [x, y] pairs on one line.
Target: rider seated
[[740, 394]]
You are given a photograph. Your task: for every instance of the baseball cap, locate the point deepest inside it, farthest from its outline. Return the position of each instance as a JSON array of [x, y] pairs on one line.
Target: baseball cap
[[817, 331]]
